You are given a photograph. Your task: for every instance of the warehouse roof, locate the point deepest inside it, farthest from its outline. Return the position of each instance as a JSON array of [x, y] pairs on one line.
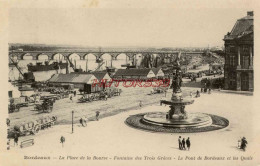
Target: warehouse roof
[[72, 78], [132, 72], [99, 75]]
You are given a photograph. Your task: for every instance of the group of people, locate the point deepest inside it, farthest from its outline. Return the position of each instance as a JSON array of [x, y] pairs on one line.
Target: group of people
[[205, 90], [183, 143], [83, 121], [197, 94]]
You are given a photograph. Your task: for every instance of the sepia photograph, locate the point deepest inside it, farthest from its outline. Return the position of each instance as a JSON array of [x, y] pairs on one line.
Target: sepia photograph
[[130, 85]]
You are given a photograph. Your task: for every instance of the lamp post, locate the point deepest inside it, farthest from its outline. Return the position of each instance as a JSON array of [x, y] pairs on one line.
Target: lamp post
[[72, 120]]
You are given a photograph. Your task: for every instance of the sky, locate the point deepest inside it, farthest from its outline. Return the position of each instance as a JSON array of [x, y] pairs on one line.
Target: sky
[[122, 27]]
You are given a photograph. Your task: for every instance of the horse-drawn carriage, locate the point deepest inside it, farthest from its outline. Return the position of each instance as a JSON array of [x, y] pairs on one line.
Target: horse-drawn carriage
[[32, 127], [113, 92], [16, 103], [46, 106], [13, 108], [93, 97], [52, 97]]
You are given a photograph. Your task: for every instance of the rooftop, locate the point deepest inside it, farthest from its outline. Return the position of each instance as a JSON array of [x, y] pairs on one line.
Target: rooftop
[[242, 27], [132, 72], [99, 75], [71, 78]]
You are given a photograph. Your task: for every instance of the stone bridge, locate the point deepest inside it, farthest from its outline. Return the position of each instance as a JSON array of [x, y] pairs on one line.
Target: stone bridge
[[82, 54]]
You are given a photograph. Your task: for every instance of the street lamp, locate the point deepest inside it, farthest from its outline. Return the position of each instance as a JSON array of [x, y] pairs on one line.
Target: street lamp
[[72, 120]]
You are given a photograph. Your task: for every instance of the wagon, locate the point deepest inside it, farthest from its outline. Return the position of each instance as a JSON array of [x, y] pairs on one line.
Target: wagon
[[93, 97], [46, 106], [101, 96], [32, 127], [117, 92], [86, 98], [13, 108]]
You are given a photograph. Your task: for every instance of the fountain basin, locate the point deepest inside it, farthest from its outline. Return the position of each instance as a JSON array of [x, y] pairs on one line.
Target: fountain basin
[[139, 122], [177, 102], [192, 120]]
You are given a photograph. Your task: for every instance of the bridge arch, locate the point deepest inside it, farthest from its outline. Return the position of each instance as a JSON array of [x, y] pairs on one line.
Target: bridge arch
[[90, 56], [121, 59], [27, 56], [90, 60], [122, 56], [42, 57], [74, 56], [57, 57], [107, 58], [15, 57]]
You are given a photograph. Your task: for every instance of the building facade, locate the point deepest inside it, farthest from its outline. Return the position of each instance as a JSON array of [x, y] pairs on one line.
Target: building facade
[[239, 55]]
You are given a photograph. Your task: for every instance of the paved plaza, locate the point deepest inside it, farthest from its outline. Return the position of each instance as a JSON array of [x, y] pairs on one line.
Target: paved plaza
[[110, 137]]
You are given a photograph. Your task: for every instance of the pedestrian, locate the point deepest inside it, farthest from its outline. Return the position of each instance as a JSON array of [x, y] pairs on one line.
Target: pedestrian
[[243, 144], [97, 115], [81, 121], [85, 119], [183, 143], [180, 144], [209, 90], [71, 98], [201, 89], [8, 144], [140, 103], [62, 140], [188, 143], [16, 137], [198, 93], [8, 122]]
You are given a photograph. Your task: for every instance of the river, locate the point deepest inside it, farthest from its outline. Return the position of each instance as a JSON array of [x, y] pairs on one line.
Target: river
[[89, 64]]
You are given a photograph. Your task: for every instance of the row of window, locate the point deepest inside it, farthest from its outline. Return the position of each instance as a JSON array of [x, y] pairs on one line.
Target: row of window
[[244, 61], [244, 81], [245, 49]]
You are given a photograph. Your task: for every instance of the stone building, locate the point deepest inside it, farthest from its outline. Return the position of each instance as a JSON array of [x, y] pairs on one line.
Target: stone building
[[239, 55]]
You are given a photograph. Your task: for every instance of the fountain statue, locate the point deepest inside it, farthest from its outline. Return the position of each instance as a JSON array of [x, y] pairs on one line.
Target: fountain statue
[[177, 103]]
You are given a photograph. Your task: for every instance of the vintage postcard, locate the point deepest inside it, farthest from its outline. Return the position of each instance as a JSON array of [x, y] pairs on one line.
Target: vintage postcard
[[129, 83]]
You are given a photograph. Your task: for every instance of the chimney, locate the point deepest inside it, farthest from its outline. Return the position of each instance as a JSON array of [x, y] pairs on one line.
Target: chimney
[[250, 13]]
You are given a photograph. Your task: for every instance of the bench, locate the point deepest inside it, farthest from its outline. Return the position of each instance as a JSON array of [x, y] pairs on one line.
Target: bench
[[27, 143]]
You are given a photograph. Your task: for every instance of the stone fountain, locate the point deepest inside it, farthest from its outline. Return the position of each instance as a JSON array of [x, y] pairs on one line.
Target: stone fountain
[[177, 120], [177, 116]]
